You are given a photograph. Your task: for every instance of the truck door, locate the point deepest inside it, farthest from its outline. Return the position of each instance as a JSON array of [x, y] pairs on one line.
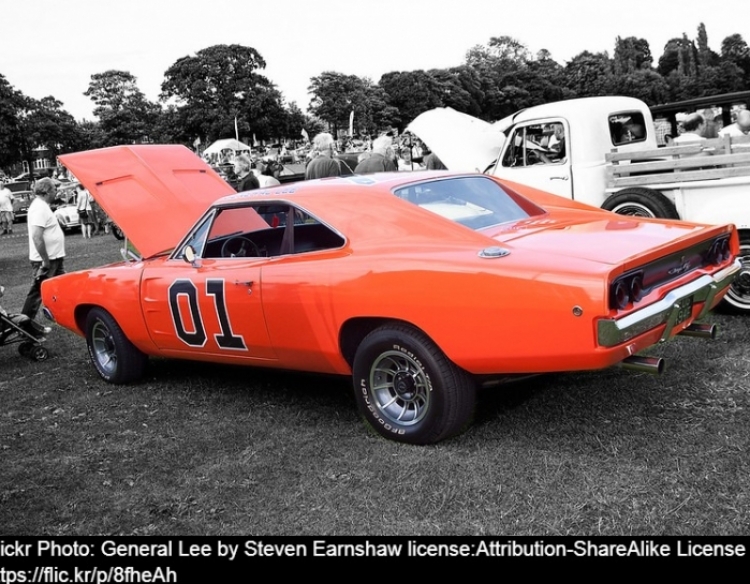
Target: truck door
[[537, 154]]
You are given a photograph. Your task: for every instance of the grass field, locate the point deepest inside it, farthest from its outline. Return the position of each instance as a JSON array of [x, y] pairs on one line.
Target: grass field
[[197, 449]]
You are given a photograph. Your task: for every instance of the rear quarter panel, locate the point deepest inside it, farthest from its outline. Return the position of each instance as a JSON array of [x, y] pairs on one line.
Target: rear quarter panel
[[114, 288]]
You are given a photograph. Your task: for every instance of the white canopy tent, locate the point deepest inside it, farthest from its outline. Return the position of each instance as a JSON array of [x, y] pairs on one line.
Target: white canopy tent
[[228, 144]]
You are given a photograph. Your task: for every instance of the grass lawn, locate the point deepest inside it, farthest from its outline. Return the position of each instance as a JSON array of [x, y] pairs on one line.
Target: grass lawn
[[197, 449]]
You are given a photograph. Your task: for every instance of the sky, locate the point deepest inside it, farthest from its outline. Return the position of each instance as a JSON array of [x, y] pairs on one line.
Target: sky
[[53, 47]]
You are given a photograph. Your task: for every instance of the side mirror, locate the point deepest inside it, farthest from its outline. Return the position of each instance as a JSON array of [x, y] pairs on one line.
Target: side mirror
[[189, 254]]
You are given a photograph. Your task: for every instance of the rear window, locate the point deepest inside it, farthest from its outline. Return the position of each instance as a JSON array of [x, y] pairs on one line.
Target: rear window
[[476, 202], [627, 128]]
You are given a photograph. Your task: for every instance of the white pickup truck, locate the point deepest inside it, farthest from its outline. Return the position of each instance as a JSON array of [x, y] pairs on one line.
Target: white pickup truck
[[603, 151]]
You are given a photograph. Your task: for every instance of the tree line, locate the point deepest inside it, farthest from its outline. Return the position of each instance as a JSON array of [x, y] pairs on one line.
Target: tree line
[[204, 95]]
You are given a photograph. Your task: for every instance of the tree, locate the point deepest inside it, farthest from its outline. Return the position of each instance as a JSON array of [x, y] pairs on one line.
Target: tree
[[218, 85], [43, 123], [11, 104], [589, 74], [644, 84], [335, 95], [631, 54], [125, 115], [411, 93], [734, 50]]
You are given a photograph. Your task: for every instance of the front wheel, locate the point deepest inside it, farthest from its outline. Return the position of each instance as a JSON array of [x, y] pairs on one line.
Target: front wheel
[[640, 202], [408, 390], [115, 358], [737, 297], [117, 232]]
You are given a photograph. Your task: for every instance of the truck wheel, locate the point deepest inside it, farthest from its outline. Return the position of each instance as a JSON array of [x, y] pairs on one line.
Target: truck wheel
[[737, 298], [640, 202]]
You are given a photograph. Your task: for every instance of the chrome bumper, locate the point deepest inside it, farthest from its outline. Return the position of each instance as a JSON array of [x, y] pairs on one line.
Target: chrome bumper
[[611, 332]]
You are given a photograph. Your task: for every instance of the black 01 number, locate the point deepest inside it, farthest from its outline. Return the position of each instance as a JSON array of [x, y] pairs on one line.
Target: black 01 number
[[226, 339]]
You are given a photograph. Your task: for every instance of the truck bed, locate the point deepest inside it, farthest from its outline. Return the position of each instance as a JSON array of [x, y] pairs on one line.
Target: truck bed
[[730, 157]]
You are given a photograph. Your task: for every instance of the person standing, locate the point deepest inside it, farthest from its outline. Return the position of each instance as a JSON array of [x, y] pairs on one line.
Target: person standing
[[6, 209], [85, 211], [46, 243], [381, 158], [740, 128], [246, 179], [323, 165]]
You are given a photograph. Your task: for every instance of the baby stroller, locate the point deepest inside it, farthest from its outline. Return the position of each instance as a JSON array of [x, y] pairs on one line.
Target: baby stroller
[[19, 328]]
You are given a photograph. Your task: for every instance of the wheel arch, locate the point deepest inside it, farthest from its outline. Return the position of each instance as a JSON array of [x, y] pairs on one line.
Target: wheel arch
[[356, 329]]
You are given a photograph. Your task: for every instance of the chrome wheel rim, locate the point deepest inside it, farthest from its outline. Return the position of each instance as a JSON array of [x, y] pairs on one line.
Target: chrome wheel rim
[[739, 292], [400, 388], [633, 210], [103, 348]]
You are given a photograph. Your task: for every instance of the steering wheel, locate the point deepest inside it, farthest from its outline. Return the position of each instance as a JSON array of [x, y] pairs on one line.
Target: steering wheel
[[239, 247]]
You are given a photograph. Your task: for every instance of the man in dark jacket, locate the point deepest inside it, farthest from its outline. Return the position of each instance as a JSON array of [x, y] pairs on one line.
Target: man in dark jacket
[[380, 160]]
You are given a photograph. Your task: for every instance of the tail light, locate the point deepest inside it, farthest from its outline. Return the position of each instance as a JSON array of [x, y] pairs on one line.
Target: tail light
[[626, 290]]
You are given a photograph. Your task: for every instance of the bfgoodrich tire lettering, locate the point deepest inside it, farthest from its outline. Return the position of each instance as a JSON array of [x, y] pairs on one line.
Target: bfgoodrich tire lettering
[[115, 358], [408, 390]]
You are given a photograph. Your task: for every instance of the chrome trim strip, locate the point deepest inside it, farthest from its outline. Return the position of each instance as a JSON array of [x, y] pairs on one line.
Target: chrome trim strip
[[611, 332]]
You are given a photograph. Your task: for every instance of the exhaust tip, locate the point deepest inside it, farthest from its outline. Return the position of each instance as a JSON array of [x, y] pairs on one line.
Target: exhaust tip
[[651, 365], [701, 331]]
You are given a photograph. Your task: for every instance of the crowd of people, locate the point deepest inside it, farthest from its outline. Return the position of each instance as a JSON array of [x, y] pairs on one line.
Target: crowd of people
[[324, 156]]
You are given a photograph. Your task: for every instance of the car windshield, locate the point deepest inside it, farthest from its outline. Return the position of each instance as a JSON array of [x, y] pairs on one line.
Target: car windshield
[[475, 201]]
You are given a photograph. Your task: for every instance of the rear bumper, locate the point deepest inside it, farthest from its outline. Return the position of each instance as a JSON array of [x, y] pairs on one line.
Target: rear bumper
[[612, 332]]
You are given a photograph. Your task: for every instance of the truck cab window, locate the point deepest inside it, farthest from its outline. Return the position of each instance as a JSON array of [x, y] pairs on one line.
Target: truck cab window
[[536, 144], [627, 128]]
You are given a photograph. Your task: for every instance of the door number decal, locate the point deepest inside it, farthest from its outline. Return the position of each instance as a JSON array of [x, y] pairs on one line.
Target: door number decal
[[194, 334]]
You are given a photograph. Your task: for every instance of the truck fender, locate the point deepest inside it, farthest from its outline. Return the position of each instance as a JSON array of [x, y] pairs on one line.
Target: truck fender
[[641, 202]]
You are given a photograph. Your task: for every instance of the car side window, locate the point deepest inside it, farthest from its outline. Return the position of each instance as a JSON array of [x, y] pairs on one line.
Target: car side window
[[535, 144], [261, 230]]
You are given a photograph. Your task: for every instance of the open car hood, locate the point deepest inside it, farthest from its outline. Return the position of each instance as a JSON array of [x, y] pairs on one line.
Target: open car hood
[[154, 193], [462, 142]]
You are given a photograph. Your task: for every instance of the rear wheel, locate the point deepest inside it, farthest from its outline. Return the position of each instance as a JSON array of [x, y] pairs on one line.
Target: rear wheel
[[640, 202], [115, 358], [737, 298], [408, 390], [117, 232]]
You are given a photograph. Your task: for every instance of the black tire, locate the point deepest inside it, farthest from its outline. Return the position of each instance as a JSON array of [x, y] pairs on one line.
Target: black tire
[[640, 202], [39, 353], [408, 390], [117, 232], [737, 299], [115, 358], [24, 349]]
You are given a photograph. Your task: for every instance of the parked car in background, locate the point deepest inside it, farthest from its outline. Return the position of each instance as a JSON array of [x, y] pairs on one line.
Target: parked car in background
[[21, 202], [65, 208], [18, 186], [420, 286]]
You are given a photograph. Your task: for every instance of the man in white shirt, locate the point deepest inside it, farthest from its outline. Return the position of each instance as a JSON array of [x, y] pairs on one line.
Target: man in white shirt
[[46, 243], [740, 128], [694, 126], [6, 209]]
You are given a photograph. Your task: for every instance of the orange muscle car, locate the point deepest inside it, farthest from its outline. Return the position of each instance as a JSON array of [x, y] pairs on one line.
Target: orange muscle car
[[422, 286]]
